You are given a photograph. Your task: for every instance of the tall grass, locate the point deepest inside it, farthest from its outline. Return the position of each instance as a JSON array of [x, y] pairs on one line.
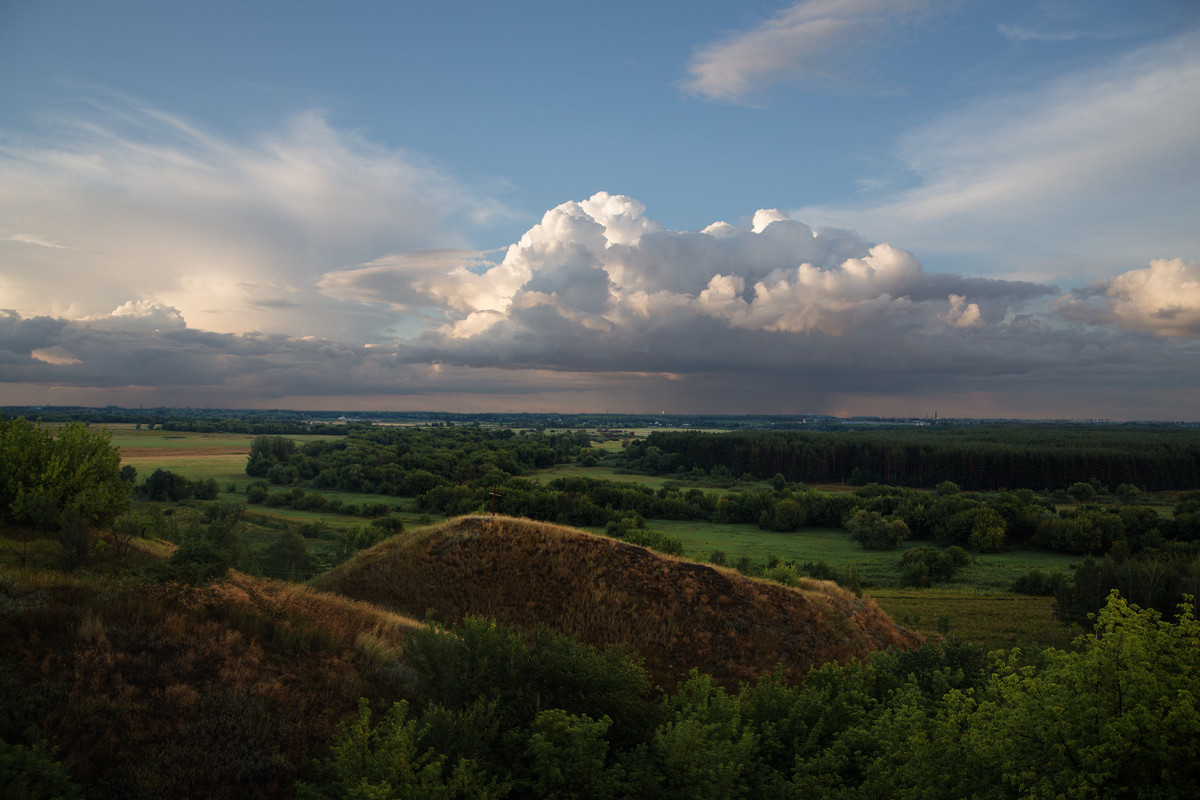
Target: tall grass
[[676, 613]]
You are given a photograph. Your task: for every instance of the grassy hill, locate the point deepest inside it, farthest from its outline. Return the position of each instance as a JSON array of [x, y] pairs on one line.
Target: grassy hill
[[168, 690], [604, 592]]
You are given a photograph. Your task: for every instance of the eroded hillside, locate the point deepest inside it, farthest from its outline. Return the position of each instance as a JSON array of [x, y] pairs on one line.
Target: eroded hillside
[[675, 613]]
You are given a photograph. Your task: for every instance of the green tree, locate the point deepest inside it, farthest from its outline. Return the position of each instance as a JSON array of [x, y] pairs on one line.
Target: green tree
[[33, 773], [385, 761], [925, 566], [704, 747], [1115, 717], [68, 482], [288, 558], [566, 756], [874, 531]]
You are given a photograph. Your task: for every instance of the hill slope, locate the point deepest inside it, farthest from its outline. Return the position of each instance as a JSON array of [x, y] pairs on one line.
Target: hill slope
[[164, 690], [675, 613]]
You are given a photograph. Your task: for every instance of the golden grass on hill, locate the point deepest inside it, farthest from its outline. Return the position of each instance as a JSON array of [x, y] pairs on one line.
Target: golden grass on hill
[[676, 613]]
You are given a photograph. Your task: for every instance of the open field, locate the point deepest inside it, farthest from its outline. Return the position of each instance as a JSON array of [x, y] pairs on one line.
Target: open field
[[600, 473], [995, 621], [976, 607], [990, 572], [197, 456]]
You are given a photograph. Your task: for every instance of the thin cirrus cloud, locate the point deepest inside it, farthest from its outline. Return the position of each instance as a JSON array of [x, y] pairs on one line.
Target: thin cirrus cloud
[[1086, 173], [128, 202], [806, 42]]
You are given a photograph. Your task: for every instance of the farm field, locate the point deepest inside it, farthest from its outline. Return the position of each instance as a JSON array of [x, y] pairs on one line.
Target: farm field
[[995, 621], [976, 607]]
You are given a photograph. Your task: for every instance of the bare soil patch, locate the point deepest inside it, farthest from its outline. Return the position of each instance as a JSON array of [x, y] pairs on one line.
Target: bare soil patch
[[183, 452]]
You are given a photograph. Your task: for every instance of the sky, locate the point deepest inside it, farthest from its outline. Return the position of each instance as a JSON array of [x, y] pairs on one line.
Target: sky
[[849, 207]]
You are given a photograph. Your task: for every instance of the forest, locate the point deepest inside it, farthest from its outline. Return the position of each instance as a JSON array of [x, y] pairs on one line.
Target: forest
[[475, 709], [1153, 558]]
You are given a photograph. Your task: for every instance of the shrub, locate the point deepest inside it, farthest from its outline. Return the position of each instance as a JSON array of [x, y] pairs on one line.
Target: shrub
[[1041, 584], [925, 566], [32, 773], [875, 532]]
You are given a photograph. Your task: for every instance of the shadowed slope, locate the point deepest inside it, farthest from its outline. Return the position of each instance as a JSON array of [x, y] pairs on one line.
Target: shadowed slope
[[676, 613], [166, 690]]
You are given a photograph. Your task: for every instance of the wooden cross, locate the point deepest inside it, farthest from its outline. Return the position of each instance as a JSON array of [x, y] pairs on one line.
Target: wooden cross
[[495, 496]]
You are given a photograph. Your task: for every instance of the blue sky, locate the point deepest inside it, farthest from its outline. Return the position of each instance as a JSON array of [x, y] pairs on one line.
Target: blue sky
[[837, 206]]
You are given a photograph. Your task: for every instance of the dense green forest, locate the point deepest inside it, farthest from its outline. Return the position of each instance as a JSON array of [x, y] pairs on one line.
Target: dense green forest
[[987, 457]]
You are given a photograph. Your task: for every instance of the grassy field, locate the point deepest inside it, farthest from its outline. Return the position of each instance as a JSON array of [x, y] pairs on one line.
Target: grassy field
[[995, 621], [990, 572], [976, 606]]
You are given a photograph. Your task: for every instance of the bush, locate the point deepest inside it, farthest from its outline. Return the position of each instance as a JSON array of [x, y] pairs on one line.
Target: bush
[[874, 532], [32, 773], [1081, 491], [925, 566], [1038, 583], [656, 541]]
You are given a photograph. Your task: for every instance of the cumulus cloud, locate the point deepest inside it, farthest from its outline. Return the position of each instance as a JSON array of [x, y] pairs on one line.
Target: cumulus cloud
[[587, 289], [123, 201], [814, 40], [1163, 299], [600, 306]]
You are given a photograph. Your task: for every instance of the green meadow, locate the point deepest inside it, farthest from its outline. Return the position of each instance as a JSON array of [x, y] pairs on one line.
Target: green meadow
[[977, 606]]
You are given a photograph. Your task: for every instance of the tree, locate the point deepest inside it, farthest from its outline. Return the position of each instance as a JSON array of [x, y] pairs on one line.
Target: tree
[[268, 451], [386, 760], [1116, 716], [874, 531], [166, 486], [288, 558], [925, 566], [69, 482], [1081, 491]]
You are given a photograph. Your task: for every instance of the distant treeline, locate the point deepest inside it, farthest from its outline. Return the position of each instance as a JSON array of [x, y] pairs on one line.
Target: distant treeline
[[278, 420], [987, 457]]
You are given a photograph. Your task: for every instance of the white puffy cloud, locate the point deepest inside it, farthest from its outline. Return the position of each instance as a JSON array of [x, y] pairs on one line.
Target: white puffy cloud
[[814, 40], [1163, 298], [140, 314], [587, 288], [599, 306], [962, 314]]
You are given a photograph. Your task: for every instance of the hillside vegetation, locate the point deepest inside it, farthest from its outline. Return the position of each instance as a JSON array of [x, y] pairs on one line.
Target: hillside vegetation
[[677, 614], [168, 690]]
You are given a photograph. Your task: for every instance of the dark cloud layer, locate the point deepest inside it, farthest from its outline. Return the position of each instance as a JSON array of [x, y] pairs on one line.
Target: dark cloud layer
[[598, 307]]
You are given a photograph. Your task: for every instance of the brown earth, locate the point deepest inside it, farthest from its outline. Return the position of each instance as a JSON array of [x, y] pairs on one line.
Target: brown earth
[[183, 452], [677, 614]]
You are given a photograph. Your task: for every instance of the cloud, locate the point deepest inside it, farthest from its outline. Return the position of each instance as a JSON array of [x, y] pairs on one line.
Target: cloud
[[815, 41], [1163, 299], [1087, 173], [1021, 33], [125, 201], [599, 306], [580, 293]]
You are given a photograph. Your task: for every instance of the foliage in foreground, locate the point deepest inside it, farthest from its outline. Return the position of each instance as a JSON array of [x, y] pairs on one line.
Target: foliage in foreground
[[1115, 717], [68, 482]]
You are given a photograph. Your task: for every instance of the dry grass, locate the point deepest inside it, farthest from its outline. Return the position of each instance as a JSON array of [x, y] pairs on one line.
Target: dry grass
[[166, 690], [676, 613]]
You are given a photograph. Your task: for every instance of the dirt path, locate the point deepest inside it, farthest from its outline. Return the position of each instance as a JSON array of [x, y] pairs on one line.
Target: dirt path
[[183, 452]]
